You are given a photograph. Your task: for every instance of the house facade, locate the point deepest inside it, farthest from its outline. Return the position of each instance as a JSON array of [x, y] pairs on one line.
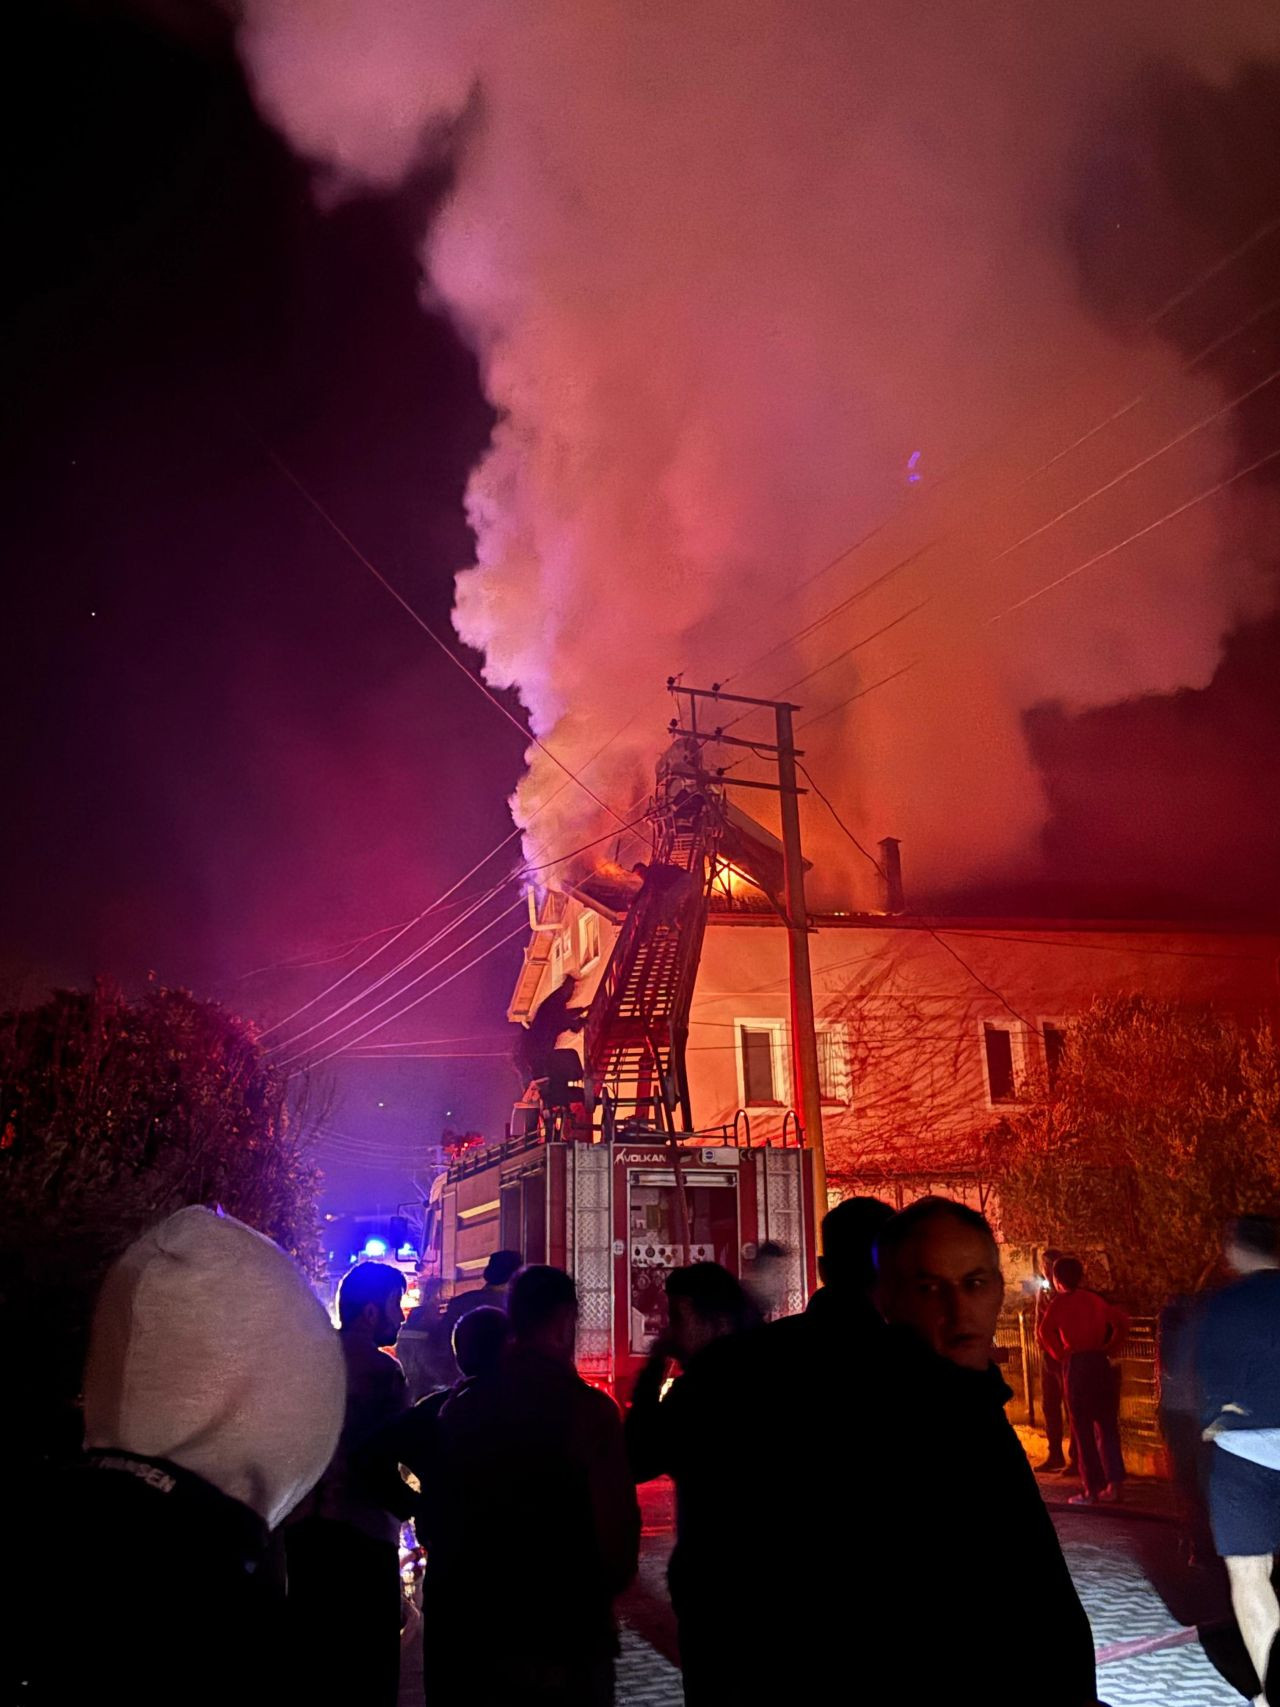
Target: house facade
[[928, 1028]]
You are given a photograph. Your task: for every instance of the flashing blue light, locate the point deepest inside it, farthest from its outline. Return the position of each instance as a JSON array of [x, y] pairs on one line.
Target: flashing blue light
[[406, 1251], [375, 1247]]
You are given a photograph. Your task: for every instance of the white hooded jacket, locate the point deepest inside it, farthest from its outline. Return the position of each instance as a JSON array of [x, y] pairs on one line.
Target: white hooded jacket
[[210, 1350]]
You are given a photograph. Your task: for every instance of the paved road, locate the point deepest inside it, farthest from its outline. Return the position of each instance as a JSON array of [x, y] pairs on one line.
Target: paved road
[[1116, 1559], [1126, 1566]]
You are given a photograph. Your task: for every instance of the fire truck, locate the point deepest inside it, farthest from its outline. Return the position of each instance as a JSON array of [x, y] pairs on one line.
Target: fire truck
[[603, 1171]]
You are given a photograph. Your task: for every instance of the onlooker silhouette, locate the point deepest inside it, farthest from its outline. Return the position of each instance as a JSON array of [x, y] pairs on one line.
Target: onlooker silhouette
[[342, 1546], [531, 1467], [1238, 1370], [1083, 1332], [421, 1348], [498, 1274], [954, 1486], [841, 1318], [213, 1397], [478, 1340], [1052, 1389], [1190, 1457], [687, 1435], [765, 1280]]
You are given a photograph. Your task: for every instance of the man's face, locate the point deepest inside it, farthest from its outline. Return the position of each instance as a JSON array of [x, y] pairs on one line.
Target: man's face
[[945, 1283], [390, 1322]]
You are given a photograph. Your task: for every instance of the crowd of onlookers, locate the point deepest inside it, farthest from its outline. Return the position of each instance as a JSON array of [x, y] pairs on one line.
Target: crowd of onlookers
[[853, 1508]]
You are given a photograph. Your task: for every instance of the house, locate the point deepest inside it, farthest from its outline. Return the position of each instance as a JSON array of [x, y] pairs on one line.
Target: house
[[927, 1027]]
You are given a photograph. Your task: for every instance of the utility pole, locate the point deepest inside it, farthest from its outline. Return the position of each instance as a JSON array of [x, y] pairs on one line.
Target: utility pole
[[804, 1039], [804, 1036]]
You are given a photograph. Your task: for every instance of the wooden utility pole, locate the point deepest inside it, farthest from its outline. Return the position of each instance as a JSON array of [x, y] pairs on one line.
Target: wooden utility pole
[[804, 1038], [804, 1035]]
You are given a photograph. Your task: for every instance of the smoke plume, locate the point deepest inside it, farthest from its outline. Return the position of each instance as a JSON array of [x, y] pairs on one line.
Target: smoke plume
[[751, 282]]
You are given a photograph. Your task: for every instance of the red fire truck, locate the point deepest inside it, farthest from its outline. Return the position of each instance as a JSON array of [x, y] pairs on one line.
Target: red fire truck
[[604, 1173]]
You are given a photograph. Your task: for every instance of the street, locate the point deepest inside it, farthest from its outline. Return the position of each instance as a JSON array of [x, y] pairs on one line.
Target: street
[[1143, 1602]]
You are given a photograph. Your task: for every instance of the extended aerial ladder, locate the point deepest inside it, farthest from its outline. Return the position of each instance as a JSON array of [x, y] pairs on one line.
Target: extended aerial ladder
[[634, 1045]]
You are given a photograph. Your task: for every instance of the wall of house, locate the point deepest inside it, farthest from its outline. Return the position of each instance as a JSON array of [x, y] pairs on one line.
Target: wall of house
[[909, 1067], [578, 948]]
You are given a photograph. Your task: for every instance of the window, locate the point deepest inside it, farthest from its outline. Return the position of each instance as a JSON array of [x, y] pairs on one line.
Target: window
[[1055, 1043], [997, 1043], [558, 957], [761, 1063], [588, 940], [833, 1064]]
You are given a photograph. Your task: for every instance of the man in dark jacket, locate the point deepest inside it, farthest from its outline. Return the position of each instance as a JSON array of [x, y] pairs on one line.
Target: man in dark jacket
[[478, 1340], [690, 1435], [499, 1271], [841, 1319], [1238, 1377], [530, 1467], [343, 1545], [958, 1499], [213, 1397]]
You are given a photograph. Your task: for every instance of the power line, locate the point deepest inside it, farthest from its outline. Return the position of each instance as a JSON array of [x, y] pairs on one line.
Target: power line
[[1134, 468], [521, 872], [528, 870], [403, 931], [977, 978], [324, 1042], [382, 1024], [469, 1055], [417, 953], [431, 1042], [381, 1146], [476, 681], [1035, 533], [1191, 503], [1134, 402], [861, 693], [400, 966], [848, 651], [304, 963], [440, 901], [1060, 580]]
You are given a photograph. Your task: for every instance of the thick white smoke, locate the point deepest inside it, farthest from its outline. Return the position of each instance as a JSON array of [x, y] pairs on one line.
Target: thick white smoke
[[729, 266]]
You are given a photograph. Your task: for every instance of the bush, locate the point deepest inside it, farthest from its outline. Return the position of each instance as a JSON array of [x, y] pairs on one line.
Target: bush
[[113, 1114], [1164, 1120]]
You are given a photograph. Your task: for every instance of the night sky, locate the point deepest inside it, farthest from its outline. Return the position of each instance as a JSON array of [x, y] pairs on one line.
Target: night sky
[[228, 747]]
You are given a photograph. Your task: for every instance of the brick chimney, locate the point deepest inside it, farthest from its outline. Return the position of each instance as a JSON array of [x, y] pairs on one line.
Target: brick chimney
[[891, 876]]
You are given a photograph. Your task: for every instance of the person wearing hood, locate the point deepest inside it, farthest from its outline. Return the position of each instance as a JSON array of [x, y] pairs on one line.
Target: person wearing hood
[[343, 1541], [213, 1399]]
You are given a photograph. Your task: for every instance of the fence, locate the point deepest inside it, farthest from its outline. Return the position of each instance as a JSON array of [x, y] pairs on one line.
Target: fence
[[1139, 1393]]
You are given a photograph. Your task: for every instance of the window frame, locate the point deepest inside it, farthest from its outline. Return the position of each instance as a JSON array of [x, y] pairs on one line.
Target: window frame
[[838, 1031], [777, 1029], [1016, 1033], [588, 924], [559, 959]]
